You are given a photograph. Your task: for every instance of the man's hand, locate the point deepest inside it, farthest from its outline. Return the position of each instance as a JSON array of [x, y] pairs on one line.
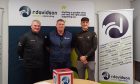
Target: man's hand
[[83, 59], [85, 62]]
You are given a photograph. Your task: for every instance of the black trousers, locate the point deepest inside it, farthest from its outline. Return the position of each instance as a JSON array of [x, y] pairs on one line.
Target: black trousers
[[33, 75]]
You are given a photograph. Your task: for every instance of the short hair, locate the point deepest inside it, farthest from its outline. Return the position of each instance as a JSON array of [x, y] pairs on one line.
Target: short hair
[[36, 21], [60, 20], [85, 19]]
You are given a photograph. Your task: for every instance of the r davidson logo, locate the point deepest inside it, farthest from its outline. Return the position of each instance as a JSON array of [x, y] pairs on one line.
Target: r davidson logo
[[108, 76], [115, 25], [25, 11]]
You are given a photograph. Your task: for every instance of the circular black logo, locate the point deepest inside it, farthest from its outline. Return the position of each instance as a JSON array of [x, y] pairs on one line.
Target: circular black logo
[[116, 25], [106, 75], [25, 11]]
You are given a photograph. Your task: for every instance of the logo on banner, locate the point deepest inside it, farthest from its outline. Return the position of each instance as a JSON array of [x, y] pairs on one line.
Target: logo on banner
[[106, 75], [25, 11], [115, 25], [71, 14]]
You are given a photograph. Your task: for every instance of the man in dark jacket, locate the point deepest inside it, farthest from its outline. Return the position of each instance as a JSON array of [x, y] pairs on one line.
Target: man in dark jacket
[[31, 49], [86, 44], [60, 46]]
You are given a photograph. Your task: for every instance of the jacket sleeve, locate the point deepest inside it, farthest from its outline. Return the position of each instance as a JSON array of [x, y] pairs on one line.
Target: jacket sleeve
[[94, 39], [46, 45], [76, 47], [20, 48]]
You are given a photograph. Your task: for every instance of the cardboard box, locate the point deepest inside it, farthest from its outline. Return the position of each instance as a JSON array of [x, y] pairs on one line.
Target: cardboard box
[[63, 76]]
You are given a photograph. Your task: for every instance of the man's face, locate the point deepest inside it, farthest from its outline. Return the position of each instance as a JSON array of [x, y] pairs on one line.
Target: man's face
[[35, 27], [60, 25], [84, 25]]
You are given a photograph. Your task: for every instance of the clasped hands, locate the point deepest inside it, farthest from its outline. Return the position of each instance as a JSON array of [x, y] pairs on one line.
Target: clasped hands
[[83, 59]]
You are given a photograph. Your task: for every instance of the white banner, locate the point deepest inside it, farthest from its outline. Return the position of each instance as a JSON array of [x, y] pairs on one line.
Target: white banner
[[22, 12], [116, 46]]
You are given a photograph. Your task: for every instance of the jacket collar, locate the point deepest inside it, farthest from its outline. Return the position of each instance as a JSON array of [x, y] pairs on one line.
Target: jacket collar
[[59, 34]]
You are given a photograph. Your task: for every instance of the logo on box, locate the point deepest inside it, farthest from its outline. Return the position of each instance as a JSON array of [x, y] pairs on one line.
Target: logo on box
[[63, 76]]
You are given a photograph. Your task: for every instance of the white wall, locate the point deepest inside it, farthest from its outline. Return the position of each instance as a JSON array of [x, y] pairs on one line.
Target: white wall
[[136, 6], [4, 4], [1, 12], [100, 5]]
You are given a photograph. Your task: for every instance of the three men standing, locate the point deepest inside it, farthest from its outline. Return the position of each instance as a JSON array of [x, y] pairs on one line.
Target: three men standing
[[32, 48]]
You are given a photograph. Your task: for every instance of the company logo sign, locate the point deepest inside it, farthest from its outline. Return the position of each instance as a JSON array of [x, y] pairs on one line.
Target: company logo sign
[[25, 11], [115, 25], [65, 80], [108, 76]]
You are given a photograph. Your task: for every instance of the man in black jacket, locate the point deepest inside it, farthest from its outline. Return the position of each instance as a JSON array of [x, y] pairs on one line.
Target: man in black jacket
[[86, 44], [31, 48]]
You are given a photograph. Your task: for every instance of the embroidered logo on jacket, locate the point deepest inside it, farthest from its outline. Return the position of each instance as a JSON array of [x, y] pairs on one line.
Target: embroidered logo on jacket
[[66, 38]]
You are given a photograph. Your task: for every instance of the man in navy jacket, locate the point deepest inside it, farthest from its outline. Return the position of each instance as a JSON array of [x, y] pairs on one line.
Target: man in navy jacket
[[60, 46]]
